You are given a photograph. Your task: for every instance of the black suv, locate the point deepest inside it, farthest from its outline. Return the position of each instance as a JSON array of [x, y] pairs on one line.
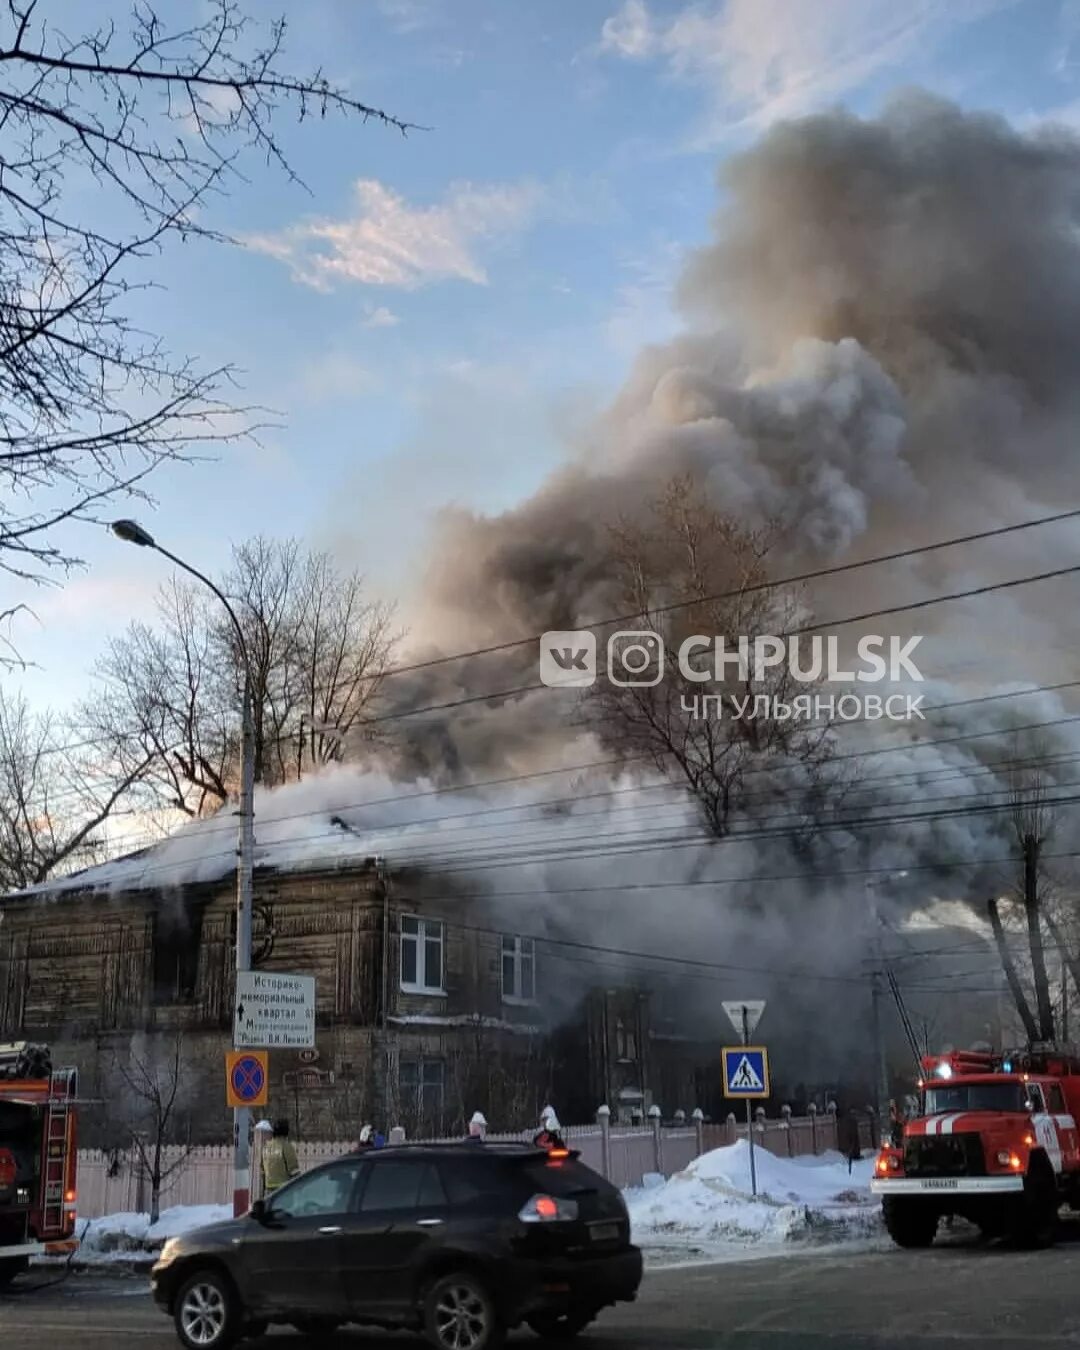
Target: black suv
[[463, 1241]]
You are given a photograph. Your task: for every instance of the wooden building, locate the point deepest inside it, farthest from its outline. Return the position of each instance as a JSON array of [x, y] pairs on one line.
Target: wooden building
[[430, 1002]]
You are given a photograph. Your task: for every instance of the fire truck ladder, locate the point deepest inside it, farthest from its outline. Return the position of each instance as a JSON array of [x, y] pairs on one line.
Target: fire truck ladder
[[62, 1086], [909, 1030]]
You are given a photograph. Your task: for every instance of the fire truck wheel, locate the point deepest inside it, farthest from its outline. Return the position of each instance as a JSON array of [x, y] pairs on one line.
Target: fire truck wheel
[[1037, 1222], [10, 1270], [911, 1223], [207, 1313]]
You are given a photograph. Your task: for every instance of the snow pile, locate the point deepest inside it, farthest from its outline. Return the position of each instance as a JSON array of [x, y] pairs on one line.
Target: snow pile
[[710, 1204], [119, 1237]]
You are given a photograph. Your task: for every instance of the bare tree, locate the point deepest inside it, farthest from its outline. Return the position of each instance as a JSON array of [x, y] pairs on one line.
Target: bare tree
[[116, 142], [688, 551], [171, 693], [55, 795], [1032, 822], [153, 1091]]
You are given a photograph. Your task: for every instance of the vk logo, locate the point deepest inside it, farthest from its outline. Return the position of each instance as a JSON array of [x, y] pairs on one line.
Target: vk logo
[[568, 659]]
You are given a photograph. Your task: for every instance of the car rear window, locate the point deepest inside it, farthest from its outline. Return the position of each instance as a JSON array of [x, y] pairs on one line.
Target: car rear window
[[562, 1176]]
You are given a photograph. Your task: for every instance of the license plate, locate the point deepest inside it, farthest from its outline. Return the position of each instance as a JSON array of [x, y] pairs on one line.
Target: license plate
[[940, 1183], [604, 1232]]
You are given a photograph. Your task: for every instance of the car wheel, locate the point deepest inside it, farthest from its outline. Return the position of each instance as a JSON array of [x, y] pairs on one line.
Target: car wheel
[[207, 1316], [1036, 1224], [910, 1223], [560, 1326], [12, 1269], [460, 1314]]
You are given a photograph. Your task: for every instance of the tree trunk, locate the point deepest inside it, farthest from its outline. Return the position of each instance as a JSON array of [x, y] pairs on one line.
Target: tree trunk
[[155, 1183], [1035, 940], [1072, 962], [1030, 1029]]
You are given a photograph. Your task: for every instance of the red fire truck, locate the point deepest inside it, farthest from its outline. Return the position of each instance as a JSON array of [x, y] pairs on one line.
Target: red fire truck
[[38, 1120], [996, 1142]]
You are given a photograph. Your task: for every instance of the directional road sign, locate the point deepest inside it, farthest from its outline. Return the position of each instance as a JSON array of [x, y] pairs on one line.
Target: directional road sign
[[752, 1007], [274, 1011], [746, 1071], [247, 1078]]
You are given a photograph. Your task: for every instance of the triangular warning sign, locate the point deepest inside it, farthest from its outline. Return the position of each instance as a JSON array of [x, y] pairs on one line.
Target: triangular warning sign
[[746, 1078]]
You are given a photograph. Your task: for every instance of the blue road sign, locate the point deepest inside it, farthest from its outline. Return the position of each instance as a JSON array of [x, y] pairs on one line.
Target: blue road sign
[[248, 1078], [746, 1071]]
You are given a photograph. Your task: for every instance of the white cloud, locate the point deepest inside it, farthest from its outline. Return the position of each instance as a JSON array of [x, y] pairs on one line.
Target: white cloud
[[758, 60], [381, 317], [630, 32], [387, 242]]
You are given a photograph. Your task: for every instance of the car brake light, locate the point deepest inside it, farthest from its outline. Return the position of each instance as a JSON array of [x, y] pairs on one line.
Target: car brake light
[[558, 1153], [548, 1209], [70, 1197]]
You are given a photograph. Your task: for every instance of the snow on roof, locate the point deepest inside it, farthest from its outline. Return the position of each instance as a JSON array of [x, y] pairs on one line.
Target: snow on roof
[[335, 818], [342, 817]]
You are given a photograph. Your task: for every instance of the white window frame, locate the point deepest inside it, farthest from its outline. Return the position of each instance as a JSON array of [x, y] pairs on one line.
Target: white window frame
[[523, 952], [426, 931]]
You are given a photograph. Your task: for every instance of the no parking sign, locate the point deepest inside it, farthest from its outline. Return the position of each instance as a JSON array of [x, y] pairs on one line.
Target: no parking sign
[[247, 1078]]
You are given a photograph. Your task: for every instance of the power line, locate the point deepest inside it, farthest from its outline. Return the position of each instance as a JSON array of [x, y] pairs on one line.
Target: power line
[[797, 579]]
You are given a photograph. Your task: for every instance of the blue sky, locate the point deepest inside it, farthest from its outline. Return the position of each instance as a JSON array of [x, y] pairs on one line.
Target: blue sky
[[432, 320]]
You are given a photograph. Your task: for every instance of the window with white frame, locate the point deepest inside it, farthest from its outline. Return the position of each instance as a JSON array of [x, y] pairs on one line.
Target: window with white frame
[[518, 969], [421, 955]]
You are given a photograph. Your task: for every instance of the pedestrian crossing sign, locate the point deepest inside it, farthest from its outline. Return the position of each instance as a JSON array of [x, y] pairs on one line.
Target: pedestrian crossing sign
[[746, 1071]]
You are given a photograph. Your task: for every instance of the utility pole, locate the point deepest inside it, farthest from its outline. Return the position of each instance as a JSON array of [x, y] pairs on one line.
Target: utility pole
[[133, 533], [877, 996], [1035, 941], [245, 876]]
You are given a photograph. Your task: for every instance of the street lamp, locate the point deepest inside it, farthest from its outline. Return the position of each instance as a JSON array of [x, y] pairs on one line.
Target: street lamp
[[133, 533]]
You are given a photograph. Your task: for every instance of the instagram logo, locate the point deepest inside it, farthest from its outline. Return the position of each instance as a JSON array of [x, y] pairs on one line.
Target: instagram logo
[[635, 657]]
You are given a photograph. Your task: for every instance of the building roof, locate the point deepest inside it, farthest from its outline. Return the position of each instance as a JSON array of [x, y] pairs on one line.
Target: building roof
[[343, 818]]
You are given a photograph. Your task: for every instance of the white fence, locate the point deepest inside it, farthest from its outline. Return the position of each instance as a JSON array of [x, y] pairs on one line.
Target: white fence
[[112, 1183]]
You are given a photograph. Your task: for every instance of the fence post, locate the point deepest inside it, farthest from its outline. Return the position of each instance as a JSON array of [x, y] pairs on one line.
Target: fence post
[[811, 1111], [732, 1128], [258, 1141], [785, 1124], [759, 1124], [830, 1108], [603, 1119], [658, 1152], [698, 1117], [397, 1135]]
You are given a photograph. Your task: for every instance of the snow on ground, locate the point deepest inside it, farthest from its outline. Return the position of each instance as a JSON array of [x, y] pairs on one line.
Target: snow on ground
[[706, 1212], [123, 1237], [708, 1209]]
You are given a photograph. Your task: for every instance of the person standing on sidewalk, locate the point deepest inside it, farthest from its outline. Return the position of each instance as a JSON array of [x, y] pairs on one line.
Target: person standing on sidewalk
[[279, 1161]]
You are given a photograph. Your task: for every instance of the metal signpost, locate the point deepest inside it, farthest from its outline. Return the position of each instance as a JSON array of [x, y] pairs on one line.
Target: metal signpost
[[746, 1067], [274, 1011]]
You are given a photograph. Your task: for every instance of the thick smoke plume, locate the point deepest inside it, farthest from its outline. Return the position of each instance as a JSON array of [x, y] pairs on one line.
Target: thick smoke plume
[[879, 351]]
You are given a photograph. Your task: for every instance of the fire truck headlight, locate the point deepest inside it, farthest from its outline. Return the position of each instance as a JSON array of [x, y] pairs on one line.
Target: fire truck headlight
[[1003, 1158]]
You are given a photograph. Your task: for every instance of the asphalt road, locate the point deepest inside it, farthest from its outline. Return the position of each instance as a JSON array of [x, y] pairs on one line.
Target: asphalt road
[[942, 1299]]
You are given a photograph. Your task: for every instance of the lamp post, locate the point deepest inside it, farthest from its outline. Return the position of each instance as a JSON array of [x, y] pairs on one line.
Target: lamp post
[[133, 533]]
